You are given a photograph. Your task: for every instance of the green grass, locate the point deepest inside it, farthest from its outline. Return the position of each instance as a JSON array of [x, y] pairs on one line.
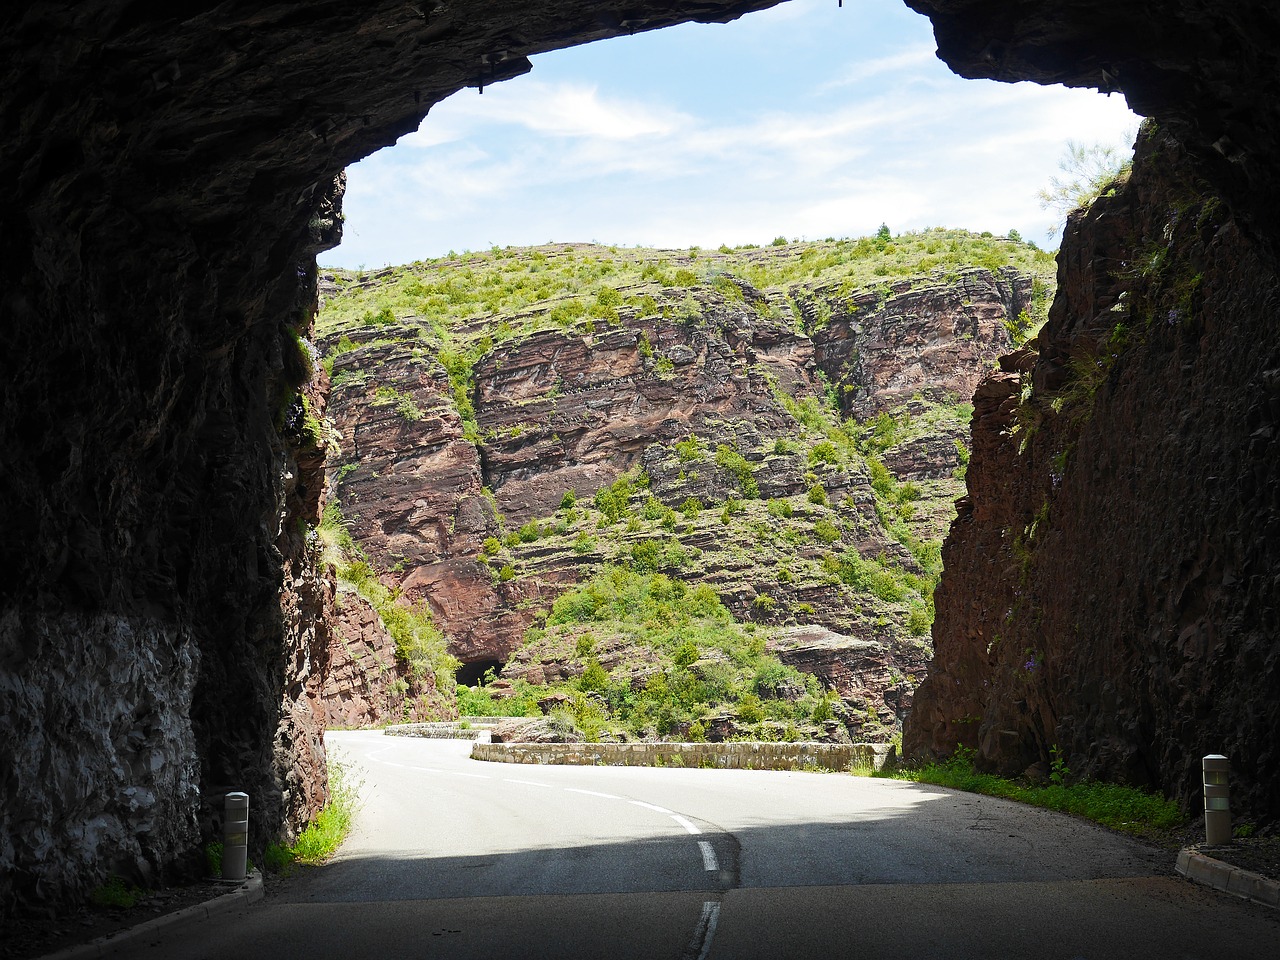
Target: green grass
[[677, 657], [437, 302], [322, 837], [1119, 807], [115, 893]]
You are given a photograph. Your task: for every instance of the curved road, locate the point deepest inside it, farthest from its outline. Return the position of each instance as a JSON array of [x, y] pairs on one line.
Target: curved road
[[454, 858]]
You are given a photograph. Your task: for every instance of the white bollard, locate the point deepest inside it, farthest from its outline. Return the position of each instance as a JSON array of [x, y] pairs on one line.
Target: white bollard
[[1217, 800], [235, 837]]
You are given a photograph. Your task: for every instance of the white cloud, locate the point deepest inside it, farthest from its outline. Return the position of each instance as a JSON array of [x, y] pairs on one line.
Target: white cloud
[[910, 58], [560, 110]]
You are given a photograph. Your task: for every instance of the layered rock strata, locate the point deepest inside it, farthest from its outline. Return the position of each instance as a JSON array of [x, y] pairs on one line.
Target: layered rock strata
[[564, 410], [367, 686]]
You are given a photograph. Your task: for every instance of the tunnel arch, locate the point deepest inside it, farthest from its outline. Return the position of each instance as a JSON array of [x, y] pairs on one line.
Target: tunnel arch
[[172, 179], [473, 672]]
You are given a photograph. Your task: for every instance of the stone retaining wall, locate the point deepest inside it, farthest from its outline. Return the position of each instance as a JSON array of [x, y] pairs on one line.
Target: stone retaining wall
[[733, 756], [438, 731]]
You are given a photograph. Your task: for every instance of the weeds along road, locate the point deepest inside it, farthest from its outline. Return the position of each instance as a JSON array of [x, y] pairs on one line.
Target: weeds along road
[[454, 858]]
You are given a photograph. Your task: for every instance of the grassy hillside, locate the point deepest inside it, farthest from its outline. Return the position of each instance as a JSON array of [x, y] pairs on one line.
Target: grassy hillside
[[692, 562]]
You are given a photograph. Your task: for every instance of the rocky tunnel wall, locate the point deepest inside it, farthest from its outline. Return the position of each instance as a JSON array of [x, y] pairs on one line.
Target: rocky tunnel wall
[[1110, 584], [170, 174], [1111, 581]]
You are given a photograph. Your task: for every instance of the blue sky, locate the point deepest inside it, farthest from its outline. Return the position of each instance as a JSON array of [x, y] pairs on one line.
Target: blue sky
[[806, 121]]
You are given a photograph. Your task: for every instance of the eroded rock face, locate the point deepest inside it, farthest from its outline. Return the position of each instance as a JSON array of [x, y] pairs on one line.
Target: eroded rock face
[[884, 345], [563, 409], [366, 686], [1110, 584], [863, 672]]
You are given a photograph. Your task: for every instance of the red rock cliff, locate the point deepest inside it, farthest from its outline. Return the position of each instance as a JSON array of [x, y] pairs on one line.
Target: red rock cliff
[[1110, 584]]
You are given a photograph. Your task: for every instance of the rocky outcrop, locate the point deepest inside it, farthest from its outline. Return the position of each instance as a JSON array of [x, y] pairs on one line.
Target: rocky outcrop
[[875, 686], [1110, 583], [366, 686], [613, 403], [932, 336]]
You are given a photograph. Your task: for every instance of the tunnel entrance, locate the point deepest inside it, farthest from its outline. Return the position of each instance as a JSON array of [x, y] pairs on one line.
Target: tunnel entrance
[[217, 272], [471, 674]]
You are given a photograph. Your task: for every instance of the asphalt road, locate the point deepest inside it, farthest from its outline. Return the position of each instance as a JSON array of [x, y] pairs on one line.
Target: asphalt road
[[454, 858]]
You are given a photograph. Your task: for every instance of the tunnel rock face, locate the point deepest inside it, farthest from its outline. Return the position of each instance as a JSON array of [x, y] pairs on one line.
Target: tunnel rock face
[[170, 177], [1110, 582], [1110, 587]]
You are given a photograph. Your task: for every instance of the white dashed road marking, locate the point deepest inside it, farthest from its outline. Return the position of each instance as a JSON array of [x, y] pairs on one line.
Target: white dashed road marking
[[709, 862], [701, 942], [684, 822], [651, 806], [703, 934]]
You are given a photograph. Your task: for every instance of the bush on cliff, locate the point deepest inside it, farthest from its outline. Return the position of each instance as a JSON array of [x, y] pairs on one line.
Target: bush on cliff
[[420, 646], [677, 658]]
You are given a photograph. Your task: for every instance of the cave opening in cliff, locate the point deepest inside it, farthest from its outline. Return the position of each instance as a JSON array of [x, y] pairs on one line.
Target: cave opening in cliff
[[470, 674]]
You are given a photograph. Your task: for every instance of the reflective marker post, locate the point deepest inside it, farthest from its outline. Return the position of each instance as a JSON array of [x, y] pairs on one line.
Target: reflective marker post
[[1217, 800], [235, 837]]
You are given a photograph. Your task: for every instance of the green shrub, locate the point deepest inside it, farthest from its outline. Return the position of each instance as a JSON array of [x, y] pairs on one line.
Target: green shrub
[[919, 621], [817, 495], [646, 557], [674, 555], [780, 508], [686, 654], [821, 711], [826, 531], [732, 507], [750, 709], [691, 449], [614, 501], [653, 508], [114, 892], [823, 452], [736, 464], [594, 677]]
